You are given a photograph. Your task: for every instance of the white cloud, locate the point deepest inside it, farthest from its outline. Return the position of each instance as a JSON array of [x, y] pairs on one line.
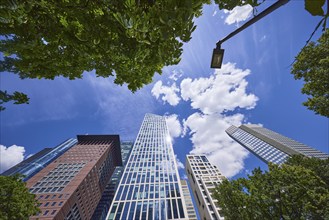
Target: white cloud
[[176, 74], [180, 165], [208, 137], [237, 14], [168, 94], [10, 156], [221, 92], [215, 96], [174, 126], [263, 38], [214, 13]]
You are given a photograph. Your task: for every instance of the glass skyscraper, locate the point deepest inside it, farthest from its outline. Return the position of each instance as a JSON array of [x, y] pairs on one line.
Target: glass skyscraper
[[270, 146], [108, 194], [40, 160], [150, 186]]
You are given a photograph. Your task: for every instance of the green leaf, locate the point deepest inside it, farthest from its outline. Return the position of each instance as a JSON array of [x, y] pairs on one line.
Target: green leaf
[[133, 39], [314, 7]]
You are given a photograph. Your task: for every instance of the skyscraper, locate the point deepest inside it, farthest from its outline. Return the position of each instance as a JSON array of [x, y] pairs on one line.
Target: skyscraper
[[150, 186], [108, 194], [191, 214], [203, 178], [71, 186], [270, 146], [40, 160]]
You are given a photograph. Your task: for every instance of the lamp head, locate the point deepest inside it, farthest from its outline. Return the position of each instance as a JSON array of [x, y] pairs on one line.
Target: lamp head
[[217, 58]]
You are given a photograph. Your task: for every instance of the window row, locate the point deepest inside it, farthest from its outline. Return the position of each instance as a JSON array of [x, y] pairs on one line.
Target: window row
[[157, 209], [156, 177], [147, 191]]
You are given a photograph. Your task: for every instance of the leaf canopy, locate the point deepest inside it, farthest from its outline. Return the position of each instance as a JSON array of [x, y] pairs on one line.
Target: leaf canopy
[[16, 202], [296, 190]]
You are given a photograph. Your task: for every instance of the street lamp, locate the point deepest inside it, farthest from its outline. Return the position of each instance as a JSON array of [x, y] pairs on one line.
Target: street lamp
[[217, 57], [218, 53]]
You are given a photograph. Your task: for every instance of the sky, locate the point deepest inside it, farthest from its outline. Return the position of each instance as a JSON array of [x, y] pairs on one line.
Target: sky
[[254, 86]]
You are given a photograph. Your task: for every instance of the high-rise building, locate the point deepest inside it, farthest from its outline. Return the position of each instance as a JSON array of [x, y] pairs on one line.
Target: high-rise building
[[108, 194], [203, 178], [40, 160], [71, 186], [270, 146], [150, 186], [191, 214]]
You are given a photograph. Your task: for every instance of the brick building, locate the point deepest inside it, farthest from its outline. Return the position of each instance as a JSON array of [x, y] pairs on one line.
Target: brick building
[[71, 186]]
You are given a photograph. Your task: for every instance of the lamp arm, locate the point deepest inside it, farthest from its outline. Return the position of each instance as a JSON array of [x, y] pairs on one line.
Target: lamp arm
[[267, 11]]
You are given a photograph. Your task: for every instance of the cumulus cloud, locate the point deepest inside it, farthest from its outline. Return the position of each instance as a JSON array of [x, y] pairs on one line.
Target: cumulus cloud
[[174, 126], [221, 92], [10, 156], [176, 74], [237, 14], [215, 97], [208, 137], [180, 165], [167, 93]]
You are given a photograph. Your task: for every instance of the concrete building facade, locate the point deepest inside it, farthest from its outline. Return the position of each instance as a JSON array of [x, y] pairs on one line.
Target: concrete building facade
[[71, 186], [191, 214], [203, 178]]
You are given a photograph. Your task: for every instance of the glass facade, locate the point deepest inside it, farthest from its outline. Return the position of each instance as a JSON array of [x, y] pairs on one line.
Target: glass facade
[[108, 194], [270, 146], [150, 186], [258, 147], [31, 166]]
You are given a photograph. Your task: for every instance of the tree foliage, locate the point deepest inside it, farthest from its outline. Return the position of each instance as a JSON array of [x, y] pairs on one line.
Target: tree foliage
[[312, 65], [230, 4], [129, 39], [17, 97], [16, 202], [298, 189]]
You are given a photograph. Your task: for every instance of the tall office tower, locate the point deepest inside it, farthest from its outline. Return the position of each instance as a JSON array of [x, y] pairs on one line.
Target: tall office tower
[[270, 146], [203, 178], [71, 186], [150, 186], [108, 194], [191, 214], [40, 160]]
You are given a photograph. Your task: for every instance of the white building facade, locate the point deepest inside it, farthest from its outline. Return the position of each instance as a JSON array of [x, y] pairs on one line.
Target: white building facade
[[150, 187], [203, 178]]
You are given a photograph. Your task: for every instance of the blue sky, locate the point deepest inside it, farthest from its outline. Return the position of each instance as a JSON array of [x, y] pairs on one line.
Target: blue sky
[[254, 86]]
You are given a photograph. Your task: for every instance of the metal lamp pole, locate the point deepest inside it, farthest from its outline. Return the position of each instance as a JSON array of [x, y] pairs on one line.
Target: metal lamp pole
[[218, 53]]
